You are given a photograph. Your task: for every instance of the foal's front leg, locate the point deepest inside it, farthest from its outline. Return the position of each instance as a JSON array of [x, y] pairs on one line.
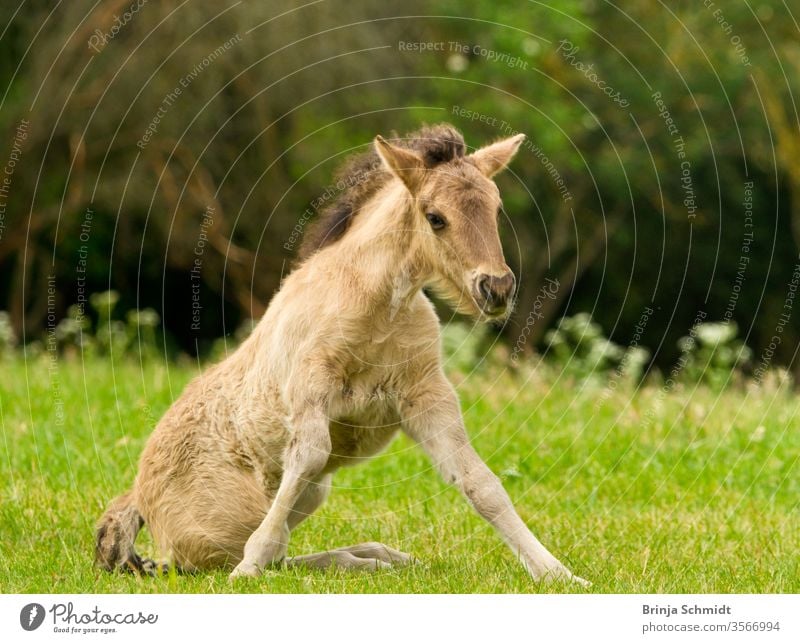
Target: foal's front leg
[[434, 420], [305, 458]]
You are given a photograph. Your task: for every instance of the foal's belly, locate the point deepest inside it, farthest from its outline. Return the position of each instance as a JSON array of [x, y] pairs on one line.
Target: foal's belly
[[359, 436]]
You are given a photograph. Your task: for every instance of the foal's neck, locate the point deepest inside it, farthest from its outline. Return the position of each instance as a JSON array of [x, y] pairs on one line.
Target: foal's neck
[[382, 251]]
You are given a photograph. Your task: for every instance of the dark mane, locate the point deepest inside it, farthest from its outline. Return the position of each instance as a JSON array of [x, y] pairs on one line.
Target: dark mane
[[363, 175]]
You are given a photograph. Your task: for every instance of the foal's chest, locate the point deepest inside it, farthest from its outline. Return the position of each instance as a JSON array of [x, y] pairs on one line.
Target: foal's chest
[[365, 419]]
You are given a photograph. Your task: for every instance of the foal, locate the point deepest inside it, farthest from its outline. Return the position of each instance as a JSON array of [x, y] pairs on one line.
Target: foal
[[346, 355]]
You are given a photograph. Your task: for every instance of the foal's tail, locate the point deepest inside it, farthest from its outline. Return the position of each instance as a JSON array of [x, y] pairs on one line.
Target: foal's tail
[[116, 533]]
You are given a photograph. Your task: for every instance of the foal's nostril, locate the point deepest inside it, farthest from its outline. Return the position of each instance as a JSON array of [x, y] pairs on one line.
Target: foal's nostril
[[485, 288], [504, 286]]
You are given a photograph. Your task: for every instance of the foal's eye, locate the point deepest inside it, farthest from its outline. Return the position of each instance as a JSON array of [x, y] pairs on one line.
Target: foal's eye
[[436, 220]]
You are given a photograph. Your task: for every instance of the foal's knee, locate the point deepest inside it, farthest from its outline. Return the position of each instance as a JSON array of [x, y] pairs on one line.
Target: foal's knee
[[486, 493]]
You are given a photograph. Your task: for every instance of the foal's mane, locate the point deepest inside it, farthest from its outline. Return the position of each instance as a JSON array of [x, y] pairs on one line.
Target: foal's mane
[[363, 175]]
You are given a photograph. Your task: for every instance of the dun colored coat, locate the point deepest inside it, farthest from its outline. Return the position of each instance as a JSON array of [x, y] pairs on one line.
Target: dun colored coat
[[347, 354]]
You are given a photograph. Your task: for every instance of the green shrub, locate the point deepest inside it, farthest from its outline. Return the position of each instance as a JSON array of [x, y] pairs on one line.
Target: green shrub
[[711, 353], [578, 346]]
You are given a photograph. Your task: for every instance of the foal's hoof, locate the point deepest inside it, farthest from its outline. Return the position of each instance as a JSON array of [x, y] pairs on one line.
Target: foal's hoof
[[581, 581], [245, 569], [562, 574]]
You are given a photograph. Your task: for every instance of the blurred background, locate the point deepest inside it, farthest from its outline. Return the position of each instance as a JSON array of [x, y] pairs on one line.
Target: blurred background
[[173, 153]]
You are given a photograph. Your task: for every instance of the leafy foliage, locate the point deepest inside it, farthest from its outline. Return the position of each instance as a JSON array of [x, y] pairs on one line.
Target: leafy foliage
[[107, 336], [597, 197]]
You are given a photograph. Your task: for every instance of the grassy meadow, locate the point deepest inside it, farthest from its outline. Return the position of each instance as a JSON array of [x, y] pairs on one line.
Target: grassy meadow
[[685, 490]]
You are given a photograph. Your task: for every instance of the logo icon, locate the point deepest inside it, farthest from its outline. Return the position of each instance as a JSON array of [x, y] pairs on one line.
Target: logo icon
[[31, 616]]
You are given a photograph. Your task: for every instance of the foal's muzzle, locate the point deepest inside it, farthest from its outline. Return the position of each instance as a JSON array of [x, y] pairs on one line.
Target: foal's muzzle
[[493, 294]]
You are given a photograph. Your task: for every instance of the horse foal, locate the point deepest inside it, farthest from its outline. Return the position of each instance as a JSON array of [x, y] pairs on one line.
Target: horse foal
[[346, 355]]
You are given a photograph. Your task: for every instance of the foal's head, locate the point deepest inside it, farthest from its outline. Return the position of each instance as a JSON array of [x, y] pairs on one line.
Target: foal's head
[[455, 211]]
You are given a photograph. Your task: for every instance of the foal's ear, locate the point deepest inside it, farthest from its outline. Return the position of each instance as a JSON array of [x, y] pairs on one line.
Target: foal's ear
[[406, 165], [496, 156]]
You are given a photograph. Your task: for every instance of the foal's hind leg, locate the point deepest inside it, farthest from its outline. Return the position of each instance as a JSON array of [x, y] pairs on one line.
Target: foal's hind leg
[[366, 556]]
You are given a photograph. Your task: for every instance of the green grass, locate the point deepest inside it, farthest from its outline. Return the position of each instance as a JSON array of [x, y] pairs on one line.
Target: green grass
[[696, 494]]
